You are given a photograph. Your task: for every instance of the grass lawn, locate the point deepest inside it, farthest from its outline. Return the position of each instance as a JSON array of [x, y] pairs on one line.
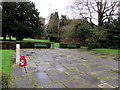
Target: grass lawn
[[83, 47], [105, 50], [6, 61], [35, 40], [56, 45]]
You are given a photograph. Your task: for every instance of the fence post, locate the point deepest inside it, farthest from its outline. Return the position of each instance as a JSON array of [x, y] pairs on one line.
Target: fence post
[[17, 54]]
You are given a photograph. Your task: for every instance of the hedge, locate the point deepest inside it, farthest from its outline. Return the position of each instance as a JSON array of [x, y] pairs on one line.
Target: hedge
[[12, 45], [93, 45], [65, 45], [32, 44], [8, 45]]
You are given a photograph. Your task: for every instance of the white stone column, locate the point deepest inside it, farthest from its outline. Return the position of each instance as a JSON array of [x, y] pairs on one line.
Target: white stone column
[[17, 54]]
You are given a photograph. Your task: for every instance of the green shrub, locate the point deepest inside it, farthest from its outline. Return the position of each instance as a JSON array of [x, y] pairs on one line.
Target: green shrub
[[48, 45], [53, 39], [4, 80], [93, 45], [78, 45], [8, 45], [63, 45]]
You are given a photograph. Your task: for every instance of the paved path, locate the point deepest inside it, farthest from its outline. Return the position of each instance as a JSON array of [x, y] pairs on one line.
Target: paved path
[[65, 68]]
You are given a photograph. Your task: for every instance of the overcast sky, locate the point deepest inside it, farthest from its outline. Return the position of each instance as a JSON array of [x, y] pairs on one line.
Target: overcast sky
[[46, 7]]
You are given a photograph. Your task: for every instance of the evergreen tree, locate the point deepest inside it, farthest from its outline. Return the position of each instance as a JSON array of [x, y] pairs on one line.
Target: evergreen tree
[[53, 24], [113, 34], [20, 19]]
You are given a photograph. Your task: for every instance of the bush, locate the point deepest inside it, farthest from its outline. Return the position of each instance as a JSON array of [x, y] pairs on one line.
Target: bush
[[63, 45], [48, 45], [8, 45], [4, 80], [93, 45], [78, 45], [53, 39]]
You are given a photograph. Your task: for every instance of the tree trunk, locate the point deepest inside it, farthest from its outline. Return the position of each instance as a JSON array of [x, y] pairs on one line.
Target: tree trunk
[[91, 23], [10, 38], [46, 37], [4, 37], [100, 18]]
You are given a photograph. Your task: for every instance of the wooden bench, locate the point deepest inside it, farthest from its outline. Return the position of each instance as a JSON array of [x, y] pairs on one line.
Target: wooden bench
[[40, 45], [71, 45]]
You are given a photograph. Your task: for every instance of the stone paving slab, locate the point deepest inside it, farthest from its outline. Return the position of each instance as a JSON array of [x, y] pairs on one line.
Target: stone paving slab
[[60, 68], [31, 69], [58, 77], [93, 58], [100, 69], [112, 82], [41, 78], [45, 68], [57, 85], [65, 68], [94, 65], [105, 85], [18, 72], [76, 84], [91, 79], [73, 72], [24, 82], [84, 70], [105, 74]]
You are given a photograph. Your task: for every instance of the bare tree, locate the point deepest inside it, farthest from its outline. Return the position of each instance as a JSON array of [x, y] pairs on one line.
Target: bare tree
[[102, 9]]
